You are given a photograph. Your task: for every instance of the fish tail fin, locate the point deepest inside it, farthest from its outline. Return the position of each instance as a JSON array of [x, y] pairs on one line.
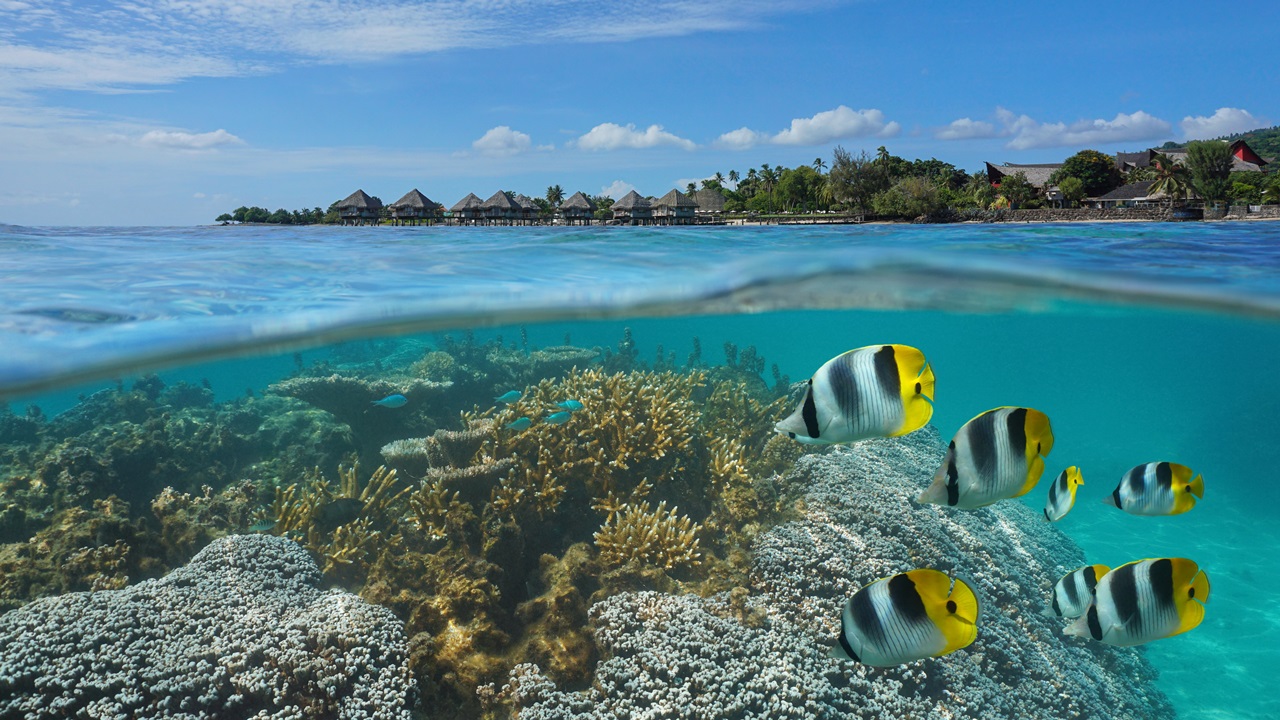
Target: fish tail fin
[[1197, 486], [1039, 433], [1113, 499]]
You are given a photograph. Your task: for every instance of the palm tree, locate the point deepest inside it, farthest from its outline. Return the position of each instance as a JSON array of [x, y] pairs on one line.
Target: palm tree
[[733, 176], [555, 195], [690, 189], [1171, 179], [770, 178], [882, 156], [719, 178], [819, 164]]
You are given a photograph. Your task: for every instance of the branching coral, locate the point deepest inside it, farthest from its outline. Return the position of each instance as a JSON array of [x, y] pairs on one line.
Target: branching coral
[[653, 537]]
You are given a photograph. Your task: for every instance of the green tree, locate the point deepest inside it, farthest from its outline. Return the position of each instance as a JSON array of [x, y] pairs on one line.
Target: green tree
[[854, 180], [1172, 179], [819, 164], [1017, 189], [1210, 164], [799, 188], [1072, 190], [1097, 171], [555, 195], [909, 198], [224, 218], [734, 177], [1245, 194], [1271, 194]]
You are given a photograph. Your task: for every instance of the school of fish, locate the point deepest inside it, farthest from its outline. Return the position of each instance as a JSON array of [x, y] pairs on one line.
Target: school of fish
[[888, 391]]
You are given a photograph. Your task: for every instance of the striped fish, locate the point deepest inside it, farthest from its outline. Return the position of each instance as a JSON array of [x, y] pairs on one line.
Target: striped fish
[[1062, 494], [1143, 601], [873, 391], [998, 454], [1157, 488], [1073, 594], [909, 616]]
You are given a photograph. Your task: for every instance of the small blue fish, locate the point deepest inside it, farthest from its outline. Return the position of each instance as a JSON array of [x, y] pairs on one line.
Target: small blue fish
[[509, 397], [264, 526], [391, 401], [520, 424], [570, 405], [559, 418]]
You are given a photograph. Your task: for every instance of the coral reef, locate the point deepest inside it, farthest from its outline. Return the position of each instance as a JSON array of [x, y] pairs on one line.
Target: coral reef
[[655, 537], [242, 629], [684, 656]]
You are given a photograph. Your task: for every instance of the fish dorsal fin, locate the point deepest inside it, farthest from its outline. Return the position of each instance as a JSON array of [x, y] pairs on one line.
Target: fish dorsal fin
[[1099, 571], [917, 383]]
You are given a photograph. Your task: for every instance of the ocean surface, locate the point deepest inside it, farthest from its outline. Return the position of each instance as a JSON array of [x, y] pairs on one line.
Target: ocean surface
[[1142, 342]]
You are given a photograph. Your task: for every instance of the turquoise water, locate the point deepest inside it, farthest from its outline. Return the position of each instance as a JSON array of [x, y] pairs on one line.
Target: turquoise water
[[1141, 342]]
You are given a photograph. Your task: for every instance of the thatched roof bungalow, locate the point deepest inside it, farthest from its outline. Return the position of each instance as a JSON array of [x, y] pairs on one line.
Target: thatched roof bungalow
[[359, 209], [710, 203], [528, 208], [1036, 174], [674, 208], [467, 210], [414, 207], [500, 209], [578, 210], [632, 210]]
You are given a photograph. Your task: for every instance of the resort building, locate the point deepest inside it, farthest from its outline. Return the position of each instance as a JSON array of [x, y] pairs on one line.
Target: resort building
[[674, 208], [467, 211], [500, 209], [632, 210], [710, 204], [413, 208], [528, 209], [1037, 175], [1132, 195], [577, 210], [1244, 158], [359, 209]]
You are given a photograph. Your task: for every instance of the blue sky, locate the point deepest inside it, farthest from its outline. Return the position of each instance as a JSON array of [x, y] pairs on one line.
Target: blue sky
[[173, 111]]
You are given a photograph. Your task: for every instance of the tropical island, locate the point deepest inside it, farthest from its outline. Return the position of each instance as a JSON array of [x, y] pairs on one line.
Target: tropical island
[[1233, 177]]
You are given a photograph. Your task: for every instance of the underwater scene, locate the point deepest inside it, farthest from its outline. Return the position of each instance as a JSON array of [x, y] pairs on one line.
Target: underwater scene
[[853, 472]]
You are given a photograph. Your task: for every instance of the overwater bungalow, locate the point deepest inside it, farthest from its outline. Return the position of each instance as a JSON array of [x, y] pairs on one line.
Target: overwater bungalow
[[359, 209], [632, 210], [467, 210], [414, 208], [710, 204], [577, 210], [674, 208], [500, 209], [528, 209]]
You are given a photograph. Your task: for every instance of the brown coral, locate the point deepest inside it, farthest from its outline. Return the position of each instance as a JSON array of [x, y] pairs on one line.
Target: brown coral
[[653, 537]]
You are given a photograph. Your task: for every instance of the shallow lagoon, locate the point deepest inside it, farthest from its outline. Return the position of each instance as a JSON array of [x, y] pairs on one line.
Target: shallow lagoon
[[1123, 382]]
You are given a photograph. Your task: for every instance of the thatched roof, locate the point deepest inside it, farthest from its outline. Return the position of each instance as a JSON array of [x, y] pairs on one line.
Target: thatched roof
[[578, 201], [526, 203], [416, 200], [709, 200], [359, 200], [675, 199], [1037, 174], [501, 201], [631, 201], [1132, 191], [470, 202]]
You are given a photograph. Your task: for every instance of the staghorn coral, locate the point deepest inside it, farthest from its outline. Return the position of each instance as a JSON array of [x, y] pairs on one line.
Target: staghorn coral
[[654, 537]]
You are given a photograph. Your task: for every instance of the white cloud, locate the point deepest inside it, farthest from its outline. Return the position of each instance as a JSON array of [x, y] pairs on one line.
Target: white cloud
[[1225, 121], [617, 189], [1028, 133], [189, 141], [502, 141], [611, 136], [741, 139], [837, 124], [967, 129]]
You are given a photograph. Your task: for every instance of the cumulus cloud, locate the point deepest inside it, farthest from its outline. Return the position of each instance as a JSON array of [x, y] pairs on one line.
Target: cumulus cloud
[[1225, 121], [611, 136], [968, 129], [617, 189], [825, 127], [502, 141], [1027, 133], [177, 140]]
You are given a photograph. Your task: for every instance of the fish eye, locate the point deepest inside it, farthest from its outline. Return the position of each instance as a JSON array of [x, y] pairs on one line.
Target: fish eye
[[951, 606], [918, 388], [791, 435], [1188, 488], [810, 381], [1191, 592]]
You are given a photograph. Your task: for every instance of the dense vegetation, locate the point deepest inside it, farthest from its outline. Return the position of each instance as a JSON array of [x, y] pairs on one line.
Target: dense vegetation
[[887, 186]]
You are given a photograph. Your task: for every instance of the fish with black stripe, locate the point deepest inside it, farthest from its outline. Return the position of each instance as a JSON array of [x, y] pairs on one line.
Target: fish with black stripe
[[873, 391], [1062, 494], [996, 455], [1145, 600], [906, 617], [1157, 488], [1073, 594]]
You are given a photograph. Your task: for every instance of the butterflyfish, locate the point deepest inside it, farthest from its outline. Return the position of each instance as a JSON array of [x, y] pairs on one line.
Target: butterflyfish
[[1073, 594], [873, 391], [1157, 488], [509, 397], [391, 401], [570, 405], [910, 616], [558, 418], [1143, 601], [998, 454], [1062, 494], [519, 424]]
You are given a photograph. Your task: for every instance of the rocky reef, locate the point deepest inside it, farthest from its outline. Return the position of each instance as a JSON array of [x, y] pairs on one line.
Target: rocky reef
[[243, 630], [760, 651]]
